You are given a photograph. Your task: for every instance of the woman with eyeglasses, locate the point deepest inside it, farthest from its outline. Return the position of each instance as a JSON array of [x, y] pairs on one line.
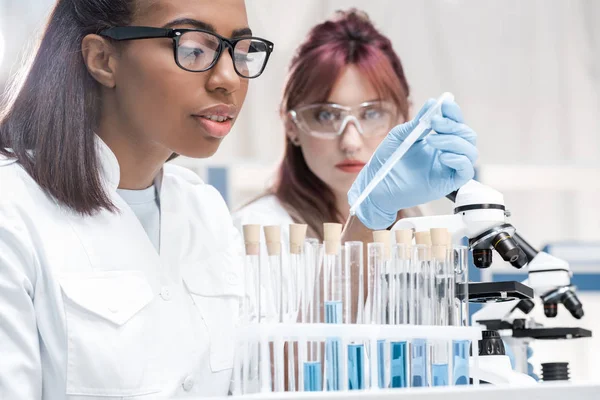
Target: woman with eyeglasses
[[346, 89], [121, 275]]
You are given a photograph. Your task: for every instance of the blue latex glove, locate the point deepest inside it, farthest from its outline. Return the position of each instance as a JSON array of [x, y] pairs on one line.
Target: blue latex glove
[[432, 168]]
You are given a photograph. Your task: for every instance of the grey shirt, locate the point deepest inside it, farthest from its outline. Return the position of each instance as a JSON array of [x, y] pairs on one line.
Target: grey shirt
[[146, 206]]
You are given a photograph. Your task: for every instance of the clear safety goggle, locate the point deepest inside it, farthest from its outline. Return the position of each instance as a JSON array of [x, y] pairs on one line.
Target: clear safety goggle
[[328, 120]]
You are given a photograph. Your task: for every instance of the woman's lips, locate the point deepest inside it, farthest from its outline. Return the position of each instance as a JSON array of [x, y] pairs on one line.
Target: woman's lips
[[350, 166], [215, 129]]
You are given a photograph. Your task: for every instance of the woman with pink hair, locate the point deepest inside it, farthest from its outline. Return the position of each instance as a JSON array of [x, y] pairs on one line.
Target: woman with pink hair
[[346, 89]]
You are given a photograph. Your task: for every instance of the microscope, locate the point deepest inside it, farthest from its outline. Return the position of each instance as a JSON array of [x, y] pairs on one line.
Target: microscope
[[480, 216]]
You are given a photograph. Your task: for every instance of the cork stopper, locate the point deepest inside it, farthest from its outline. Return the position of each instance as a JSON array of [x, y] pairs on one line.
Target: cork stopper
[[384, 237], [273, 238], [252, 239], [424, 238], [404, 236], [297, 236], [439, 240], [333, 236]]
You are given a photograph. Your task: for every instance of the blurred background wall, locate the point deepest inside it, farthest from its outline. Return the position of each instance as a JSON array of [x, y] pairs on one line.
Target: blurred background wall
[[525, 72]]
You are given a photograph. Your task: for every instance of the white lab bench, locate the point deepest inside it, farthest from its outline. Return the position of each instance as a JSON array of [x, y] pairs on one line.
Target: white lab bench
[[542, 391]]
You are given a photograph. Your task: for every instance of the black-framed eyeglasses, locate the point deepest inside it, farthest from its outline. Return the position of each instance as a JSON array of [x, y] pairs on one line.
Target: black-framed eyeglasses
[[197, 50]]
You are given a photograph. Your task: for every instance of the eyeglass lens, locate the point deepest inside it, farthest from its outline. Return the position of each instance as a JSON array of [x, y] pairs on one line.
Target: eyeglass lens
[[198, 50]]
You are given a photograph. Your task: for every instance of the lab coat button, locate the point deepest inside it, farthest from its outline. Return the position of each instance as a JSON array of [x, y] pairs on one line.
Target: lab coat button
[[165, 293], [113, 309], [188, 383], [232, 278]]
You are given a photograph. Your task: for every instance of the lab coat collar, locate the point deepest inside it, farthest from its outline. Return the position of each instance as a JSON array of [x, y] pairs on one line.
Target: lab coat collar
[[111, 172]]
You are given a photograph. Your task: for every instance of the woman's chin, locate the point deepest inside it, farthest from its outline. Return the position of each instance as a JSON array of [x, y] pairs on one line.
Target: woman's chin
[[200, 148]]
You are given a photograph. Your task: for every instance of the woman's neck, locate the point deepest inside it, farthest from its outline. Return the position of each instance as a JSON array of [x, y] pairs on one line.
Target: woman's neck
[[140, 159]]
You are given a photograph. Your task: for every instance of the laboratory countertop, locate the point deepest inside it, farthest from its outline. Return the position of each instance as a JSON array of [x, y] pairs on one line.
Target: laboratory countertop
[[543, 391]]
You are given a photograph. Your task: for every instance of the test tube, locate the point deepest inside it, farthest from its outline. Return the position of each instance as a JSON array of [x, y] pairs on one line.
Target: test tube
[[251, 359], [402, 262], [461, 348], [273, 239], [333, 296], [401, 257], [388, 292], [388, 306], [421, 307], [354, 310], [294, 279], [311, 303], [375, 266], [376, 257], [443, 300]]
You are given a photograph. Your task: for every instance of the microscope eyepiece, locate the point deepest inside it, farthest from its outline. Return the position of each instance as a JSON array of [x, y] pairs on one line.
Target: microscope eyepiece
[[572, 304], [482, 258]]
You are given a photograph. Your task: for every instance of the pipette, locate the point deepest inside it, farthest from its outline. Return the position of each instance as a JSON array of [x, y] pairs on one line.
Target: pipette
[[424, 124]]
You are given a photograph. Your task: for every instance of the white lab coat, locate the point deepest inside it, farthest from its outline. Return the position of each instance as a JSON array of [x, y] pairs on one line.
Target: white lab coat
[[90, 309]]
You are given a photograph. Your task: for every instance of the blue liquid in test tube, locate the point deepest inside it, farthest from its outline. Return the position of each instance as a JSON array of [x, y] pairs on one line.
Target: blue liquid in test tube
[[418, 363], [398, 365], [439, 374], [333, 315], [460, 351], [312, 376], [381, 363], [356, 364]]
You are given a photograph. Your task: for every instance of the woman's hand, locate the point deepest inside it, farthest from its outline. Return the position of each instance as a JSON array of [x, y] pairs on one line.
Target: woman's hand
[[433, 167]]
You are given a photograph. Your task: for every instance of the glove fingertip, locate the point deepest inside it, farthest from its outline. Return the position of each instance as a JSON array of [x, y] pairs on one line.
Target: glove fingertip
[[450, 109]]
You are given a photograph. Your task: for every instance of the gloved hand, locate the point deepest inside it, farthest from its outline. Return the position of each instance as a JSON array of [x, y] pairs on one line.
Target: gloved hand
[[432, 168]]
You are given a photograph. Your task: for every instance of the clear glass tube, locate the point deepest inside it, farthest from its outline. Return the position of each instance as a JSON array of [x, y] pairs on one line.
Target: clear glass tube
[[311, 313], [460, 261], [275, 277], [443, 309], [353, 282], [401, 261], [293, 276], [375, 267], [420, 312], [251, 350], [333, 283], [460, 317], [399, 296]]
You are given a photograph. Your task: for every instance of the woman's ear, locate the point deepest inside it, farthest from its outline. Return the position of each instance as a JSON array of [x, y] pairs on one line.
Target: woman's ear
[[99, 56], [291, 130]]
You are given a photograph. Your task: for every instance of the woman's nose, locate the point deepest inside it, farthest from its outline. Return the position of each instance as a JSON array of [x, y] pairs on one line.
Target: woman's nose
[[223, 76], [351, 140]]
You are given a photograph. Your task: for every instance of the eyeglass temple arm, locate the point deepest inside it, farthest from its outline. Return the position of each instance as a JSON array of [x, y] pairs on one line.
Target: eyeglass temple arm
[[136, 32]]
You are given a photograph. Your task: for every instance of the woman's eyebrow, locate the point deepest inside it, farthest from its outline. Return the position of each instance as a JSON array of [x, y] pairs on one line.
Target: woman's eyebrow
[[206, 26], [190, 22], [241, 32]]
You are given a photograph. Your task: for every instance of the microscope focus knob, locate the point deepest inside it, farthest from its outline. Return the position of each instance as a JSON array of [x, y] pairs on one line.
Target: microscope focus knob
[[491, 344]]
